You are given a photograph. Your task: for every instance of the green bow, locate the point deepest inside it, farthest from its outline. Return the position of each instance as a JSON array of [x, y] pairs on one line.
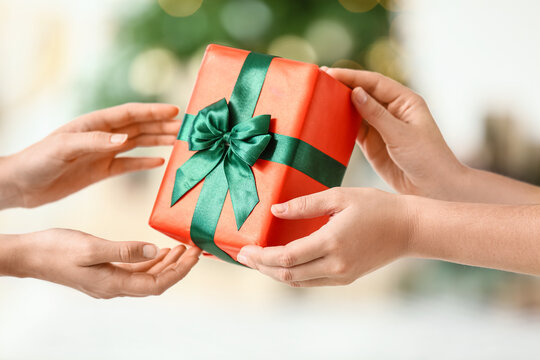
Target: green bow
[[236, 149]]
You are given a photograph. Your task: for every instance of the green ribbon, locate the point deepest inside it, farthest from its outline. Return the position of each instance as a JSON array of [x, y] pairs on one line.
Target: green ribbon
[[234, 150], [228, 141]]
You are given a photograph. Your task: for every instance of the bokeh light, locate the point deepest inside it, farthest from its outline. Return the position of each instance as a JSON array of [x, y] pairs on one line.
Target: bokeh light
[[293, 47], [330, 40], [152, 72], [347, 64], [383, 56], [393, 5], [246, 20], [358, 5], [180, 8]]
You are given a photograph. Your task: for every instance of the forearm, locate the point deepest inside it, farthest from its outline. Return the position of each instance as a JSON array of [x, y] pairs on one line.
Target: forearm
[[9, 193], [505, 237], [486, 187]]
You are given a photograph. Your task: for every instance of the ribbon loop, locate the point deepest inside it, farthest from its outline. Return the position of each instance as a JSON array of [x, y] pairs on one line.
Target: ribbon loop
[[209, 126]]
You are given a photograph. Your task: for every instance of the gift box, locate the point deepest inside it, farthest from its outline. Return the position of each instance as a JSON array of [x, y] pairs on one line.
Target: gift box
[[258, 130]]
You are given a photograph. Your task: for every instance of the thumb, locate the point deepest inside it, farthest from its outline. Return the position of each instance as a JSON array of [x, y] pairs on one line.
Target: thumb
[[73, 145], [376, 115], [322, 203], [121, 251]]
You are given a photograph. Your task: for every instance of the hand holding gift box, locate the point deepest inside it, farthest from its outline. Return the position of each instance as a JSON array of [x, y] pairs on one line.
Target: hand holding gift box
[[287, 130]]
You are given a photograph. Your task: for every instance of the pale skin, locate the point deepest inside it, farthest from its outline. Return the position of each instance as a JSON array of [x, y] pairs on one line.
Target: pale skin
[[444, 209], [80, 153]]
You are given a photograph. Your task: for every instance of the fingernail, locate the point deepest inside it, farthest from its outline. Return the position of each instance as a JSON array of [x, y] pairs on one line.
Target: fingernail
[[242, 259], [118, 138], [324, 68], [359, 95], [149, 251], [279, 208]]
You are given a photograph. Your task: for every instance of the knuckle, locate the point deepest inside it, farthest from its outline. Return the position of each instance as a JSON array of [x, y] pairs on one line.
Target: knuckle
[[376, 78], [136, 129], [294, 284], [287, 260], [88, 252], [158, 290], [417, 99], [300, 205], [330, 243], [337, 194], [127, 109], [285, 275], [340, 268], [96, 137], [377, 112], [125, 253]]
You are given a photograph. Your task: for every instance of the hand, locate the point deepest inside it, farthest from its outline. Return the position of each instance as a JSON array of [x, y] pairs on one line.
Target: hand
[[97, 267], [85, 151], [399, 137], [367, 229]]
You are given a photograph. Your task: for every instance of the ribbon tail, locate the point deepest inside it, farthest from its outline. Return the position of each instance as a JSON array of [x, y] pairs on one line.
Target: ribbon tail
[[242, 187], [194, 170], [207, 213]]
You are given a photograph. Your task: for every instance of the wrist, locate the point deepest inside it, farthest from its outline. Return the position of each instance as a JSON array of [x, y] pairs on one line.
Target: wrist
[[12, 256], [452, 182], [10, 194], [411, 207], [423, 215]]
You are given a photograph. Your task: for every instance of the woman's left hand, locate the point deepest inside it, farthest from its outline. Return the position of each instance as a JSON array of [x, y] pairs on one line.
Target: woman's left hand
[[85, 151], [367, 229]]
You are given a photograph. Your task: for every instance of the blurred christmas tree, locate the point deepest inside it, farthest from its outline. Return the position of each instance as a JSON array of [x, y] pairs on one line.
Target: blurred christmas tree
[[165, 34]]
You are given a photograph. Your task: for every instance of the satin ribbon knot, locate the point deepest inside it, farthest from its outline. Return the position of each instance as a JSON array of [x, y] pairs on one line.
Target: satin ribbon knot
[[224, 151]]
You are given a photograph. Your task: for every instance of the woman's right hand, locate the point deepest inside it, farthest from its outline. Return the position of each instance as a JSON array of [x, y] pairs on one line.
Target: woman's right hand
[[97, 267], [399, 136]]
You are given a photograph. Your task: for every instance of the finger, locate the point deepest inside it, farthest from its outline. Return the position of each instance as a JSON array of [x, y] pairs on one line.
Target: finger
[[143, 284], [122, 115], [315, 269], [122, 165], [294, 253], [146, 265], [104, 251], [382, 88], [377, 115], [316, 282], [191, 252], [151, 127], [72, 145], [171, 258], [326, 202], [376, 152], [148, 140], [188, 259]]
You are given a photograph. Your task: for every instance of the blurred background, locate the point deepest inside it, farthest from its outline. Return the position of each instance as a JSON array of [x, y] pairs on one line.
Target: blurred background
[[475, 62]]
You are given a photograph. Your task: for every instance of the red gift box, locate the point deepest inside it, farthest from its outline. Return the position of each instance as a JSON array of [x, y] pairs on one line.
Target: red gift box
[[305, 105]]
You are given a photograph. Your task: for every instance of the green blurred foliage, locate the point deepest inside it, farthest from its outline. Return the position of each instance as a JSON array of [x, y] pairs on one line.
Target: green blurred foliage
[[184, 36]]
